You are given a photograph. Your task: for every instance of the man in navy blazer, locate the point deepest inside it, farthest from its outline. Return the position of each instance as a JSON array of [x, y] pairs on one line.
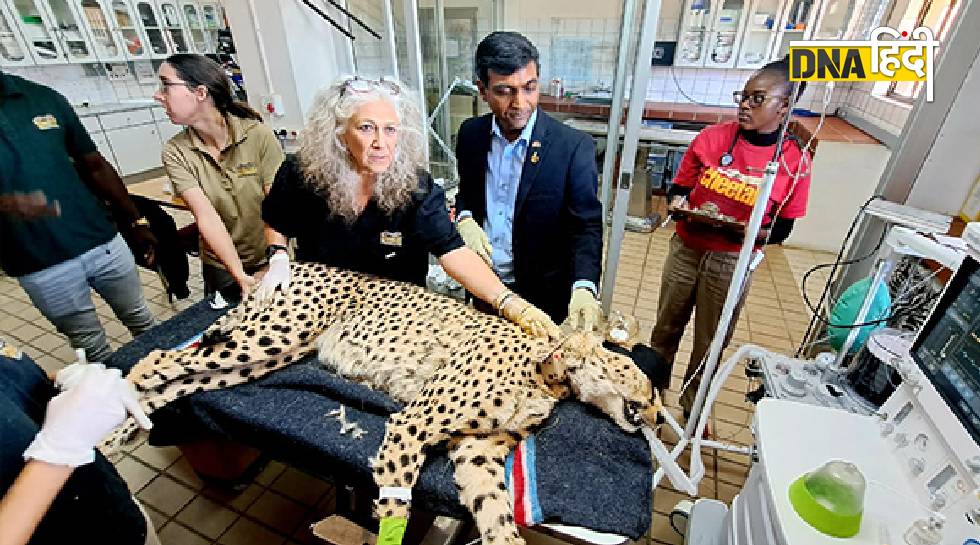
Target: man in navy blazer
[[527, 198]]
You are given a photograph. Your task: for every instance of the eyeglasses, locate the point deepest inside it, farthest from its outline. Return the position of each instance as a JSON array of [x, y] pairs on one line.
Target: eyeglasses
[[360, 85], [165, 84], [755, 99]]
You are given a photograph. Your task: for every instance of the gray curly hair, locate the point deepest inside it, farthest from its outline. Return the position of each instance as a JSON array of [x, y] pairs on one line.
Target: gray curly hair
[[326, 162]]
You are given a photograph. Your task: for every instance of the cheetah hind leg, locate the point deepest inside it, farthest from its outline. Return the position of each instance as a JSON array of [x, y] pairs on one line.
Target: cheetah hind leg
[[479, 469]]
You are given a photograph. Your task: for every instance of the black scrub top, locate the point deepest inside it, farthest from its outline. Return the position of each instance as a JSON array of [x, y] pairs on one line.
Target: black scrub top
[[394, 246]]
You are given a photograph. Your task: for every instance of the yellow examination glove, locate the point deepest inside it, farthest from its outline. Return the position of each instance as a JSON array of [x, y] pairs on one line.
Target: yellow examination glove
[[583, 310], [531, 319], [475, 239]]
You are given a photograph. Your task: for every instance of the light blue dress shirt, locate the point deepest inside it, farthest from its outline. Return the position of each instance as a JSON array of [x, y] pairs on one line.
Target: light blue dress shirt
[[505, 163]]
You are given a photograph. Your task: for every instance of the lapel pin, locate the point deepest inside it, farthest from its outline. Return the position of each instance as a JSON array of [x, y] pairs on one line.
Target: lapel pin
[[534, 157]]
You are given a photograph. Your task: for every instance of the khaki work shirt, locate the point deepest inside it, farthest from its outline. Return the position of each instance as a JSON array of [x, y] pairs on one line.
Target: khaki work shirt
[[236, 184]]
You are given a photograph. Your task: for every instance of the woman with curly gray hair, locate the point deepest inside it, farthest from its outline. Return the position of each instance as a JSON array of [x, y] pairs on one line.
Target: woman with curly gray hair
[[357, 196]]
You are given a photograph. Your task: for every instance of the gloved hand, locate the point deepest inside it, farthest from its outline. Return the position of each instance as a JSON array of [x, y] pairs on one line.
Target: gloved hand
[[583, 310], [71, 374], [95, 402], [475, 238], [276, 276], [531, 319]]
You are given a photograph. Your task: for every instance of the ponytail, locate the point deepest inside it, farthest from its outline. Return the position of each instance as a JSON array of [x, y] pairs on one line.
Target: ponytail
[[199, 70], [242, 109]]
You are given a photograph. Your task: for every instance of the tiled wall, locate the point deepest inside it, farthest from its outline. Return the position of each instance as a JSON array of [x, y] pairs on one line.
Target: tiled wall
[[88, 83], [863, 103], [715, 87]]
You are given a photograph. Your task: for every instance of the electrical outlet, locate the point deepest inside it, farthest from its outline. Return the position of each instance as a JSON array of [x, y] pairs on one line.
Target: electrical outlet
[[116, 71]]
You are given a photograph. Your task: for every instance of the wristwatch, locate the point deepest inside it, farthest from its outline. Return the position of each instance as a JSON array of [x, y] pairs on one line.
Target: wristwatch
[[271, 250]]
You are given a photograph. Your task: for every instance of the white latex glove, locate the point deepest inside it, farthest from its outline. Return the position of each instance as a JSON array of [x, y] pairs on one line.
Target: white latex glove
[[277, 276], [475, 239], [583, 310], [95, 402]]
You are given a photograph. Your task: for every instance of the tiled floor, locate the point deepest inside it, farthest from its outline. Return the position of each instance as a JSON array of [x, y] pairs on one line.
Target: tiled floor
[[279, 505]]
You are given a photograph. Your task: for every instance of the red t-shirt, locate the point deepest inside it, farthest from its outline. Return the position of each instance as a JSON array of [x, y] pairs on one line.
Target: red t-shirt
[[735, 188]]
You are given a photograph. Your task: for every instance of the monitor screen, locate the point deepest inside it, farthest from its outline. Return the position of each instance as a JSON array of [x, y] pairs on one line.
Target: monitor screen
[[948, 348]]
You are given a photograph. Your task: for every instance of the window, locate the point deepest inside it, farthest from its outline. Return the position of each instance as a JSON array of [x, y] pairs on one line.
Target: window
[[935, 14]]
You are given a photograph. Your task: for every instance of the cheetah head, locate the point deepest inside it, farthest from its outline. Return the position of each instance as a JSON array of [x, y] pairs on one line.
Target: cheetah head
[[609, 381]]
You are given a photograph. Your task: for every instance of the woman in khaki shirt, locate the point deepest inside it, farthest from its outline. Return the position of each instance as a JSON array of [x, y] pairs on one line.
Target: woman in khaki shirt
[[222, 166]]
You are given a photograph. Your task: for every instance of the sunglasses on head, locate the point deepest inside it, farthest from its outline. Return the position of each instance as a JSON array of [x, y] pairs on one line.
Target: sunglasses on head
[[361, 85]]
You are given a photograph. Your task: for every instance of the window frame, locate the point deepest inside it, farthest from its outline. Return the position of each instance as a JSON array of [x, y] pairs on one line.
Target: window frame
[[944, 25]]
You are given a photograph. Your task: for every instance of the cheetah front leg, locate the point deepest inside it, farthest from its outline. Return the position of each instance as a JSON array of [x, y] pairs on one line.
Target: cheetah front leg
[[479, 468], [397, 465]]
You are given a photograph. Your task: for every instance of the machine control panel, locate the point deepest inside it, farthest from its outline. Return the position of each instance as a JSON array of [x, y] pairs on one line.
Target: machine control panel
[[932, 421]]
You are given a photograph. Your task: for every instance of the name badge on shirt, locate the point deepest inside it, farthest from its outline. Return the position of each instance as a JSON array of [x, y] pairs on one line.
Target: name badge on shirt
[[391, 238], [46, 122], [247, 169]]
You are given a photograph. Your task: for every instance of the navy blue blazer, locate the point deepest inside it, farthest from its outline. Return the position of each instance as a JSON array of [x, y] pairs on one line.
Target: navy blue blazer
[[557, 236]]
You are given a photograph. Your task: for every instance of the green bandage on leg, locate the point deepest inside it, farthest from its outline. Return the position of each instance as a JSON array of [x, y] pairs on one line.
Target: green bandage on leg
[[392, 530]]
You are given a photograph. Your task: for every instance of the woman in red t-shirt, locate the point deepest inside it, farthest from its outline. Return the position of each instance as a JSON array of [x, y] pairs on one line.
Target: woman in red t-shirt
[[724, 166]]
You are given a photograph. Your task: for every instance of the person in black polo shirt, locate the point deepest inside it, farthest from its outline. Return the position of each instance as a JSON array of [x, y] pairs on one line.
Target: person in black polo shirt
[[57, 235], [357, 197]]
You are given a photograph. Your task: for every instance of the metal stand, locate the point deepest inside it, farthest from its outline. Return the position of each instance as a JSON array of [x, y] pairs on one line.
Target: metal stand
[[411, 11], [616, 109], [641, 75]]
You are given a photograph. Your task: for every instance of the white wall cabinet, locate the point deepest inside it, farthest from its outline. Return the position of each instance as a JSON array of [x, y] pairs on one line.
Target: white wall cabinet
[[195, 27], [69, 25], [102, 143], [693, 36], [126, 26], [101, 30], [214, 21], [136, 148], [710, 33], [725, 34], [759, 33], [832, 22], [86, 31], [13, 48], [38, 31], [165, 127], [152, 23], [750, 33], [174, 29], [129, 139], [796, 23]]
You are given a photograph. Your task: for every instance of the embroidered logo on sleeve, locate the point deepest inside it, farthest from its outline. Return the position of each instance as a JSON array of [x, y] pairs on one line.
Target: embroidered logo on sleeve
[[46, 122], [732, 184]]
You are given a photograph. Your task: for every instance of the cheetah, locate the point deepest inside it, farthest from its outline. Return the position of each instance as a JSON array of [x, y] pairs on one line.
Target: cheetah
[[469, 380]]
